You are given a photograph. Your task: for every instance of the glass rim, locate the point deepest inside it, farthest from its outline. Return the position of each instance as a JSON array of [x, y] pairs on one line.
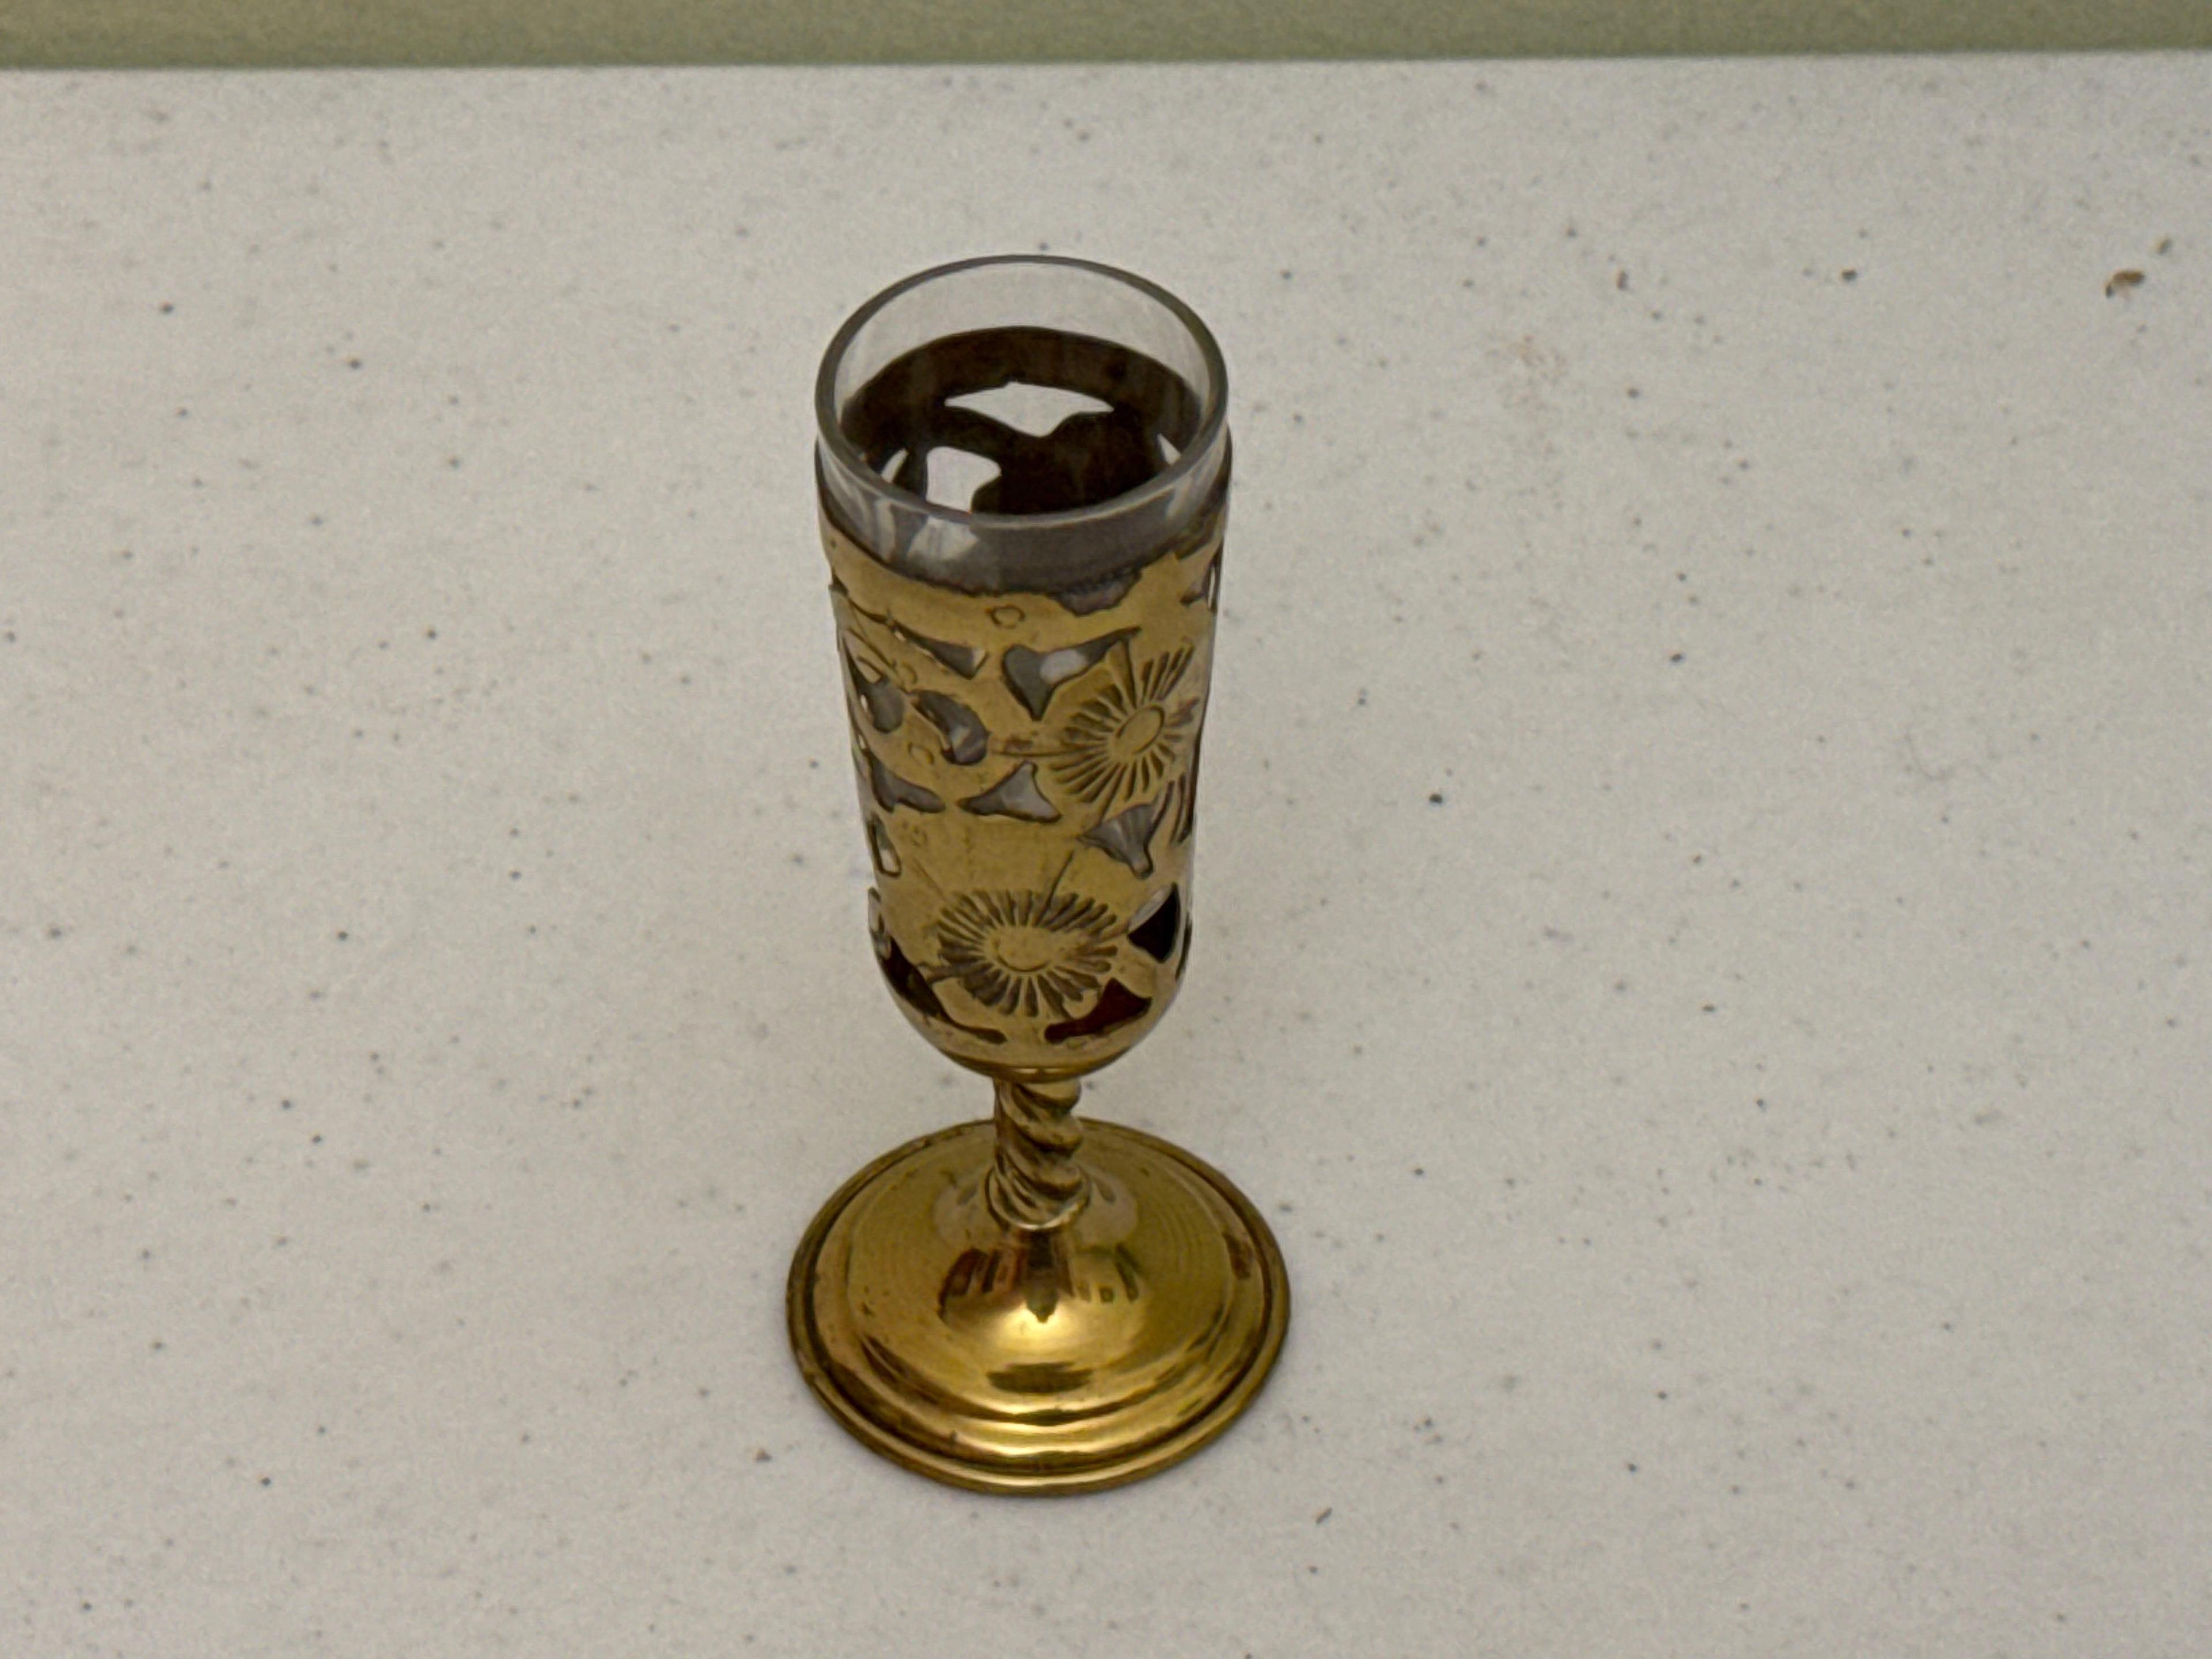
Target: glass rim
[[1214, 407]]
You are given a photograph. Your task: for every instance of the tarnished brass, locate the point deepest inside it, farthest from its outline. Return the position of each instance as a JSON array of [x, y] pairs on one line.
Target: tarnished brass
[[1023, 1305]]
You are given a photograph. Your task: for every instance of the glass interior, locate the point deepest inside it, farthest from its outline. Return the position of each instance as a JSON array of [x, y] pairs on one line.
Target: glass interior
[[1021, 423]]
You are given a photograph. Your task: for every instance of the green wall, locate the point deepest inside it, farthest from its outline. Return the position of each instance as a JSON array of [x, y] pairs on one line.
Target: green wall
[[138, 33]]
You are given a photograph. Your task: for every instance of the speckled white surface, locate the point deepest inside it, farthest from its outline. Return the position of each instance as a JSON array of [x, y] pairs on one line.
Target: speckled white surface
[[1707, 874]]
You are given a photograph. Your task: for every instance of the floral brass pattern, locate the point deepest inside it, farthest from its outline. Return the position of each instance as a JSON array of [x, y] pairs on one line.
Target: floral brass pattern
[[1120, 745], [1027, 774], [1026, 952]]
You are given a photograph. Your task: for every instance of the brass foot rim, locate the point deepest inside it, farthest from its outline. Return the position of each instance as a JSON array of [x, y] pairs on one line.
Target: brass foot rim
[[1235, 1389]]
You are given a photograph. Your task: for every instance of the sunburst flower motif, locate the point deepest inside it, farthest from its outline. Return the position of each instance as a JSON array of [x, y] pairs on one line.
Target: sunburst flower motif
[[1021, 953], [1119, 744]]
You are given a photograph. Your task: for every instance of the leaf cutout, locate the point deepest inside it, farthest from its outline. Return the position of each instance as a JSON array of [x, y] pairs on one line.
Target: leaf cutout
[[967, 740], [1110, 591], [881, 849], [912, 987], [1207, 590], [1116, 1006], [963, 659], [892, 792], [1159, 932], [885, 702], [952, 475], [1028, 408], [1036, 675], [1127, 836], [1014, 796]]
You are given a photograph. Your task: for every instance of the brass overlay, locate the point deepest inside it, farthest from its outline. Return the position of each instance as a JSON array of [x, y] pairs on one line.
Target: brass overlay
[[1026, 781], [1018, 1306]]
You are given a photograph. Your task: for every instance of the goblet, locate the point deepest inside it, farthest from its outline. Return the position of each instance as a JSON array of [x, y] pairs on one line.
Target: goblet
[[1023, 465]]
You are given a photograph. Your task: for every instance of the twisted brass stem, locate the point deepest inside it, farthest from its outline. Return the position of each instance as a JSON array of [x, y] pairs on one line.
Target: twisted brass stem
[[1035, 1181]]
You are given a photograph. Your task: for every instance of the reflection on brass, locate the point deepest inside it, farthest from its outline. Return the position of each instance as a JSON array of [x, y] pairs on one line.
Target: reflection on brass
[[1028, 1304]]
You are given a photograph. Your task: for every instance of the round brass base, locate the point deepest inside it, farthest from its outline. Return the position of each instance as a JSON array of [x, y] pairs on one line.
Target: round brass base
[[1055, 1361]]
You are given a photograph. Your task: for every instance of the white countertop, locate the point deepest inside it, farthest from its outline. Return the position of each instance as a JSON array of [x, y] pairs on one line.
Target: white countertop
[[1705, 925]]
